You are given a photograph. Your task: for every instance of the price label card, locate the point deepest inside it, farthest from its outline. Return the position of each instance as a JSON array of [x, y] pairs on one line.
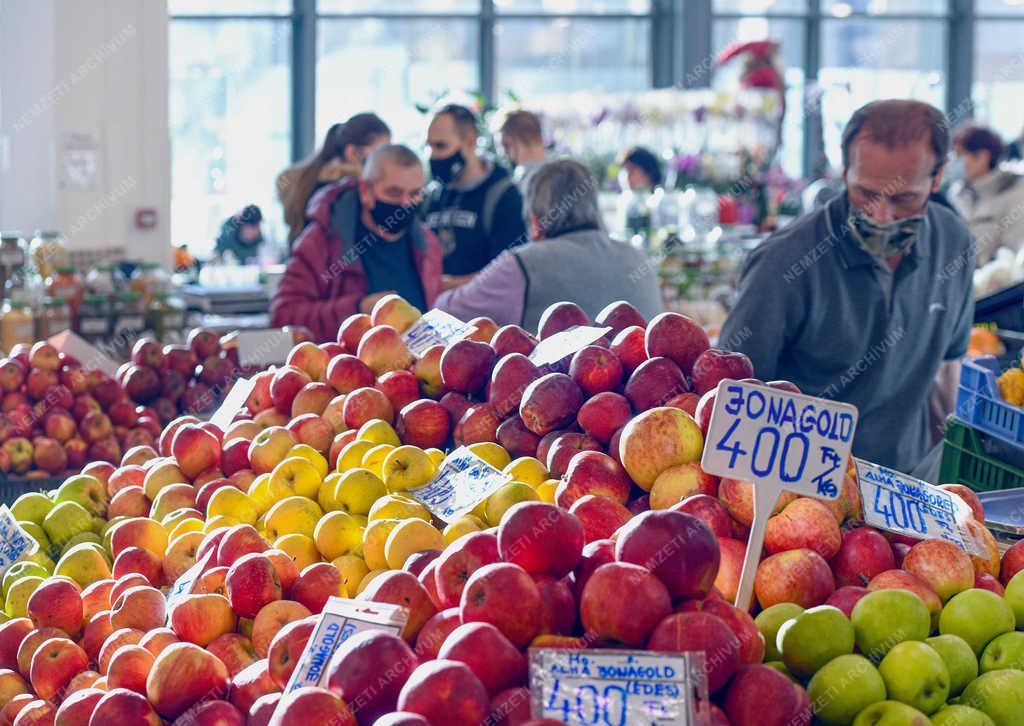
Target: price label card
[[462, 481], [184, 584], [232, 403], [91, 357], [14, 542], [562, 345], [341, 619], [263, 347], [616, 687], [758, 433], [899, 503], [435, 327]]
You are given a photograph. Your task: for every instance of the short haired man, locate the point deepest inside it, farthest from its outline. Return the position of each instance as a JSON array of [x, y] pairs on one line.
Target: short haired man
[[864, 299], [570, 258], [362, 242], [523, 144], [476, 210]]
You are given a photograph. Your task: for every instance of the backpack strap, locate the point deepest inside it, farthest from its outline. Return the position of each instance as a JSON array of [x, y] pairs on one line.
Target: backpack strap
[[491, 199]]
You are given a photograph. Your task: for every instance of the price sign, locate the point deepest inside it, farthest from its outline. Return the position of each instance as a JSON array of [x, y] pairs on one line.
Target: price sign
[[435, 327], [780, 441], [462, 481], [184, 584], [562, 345], [616, 687], [91, 357], [232, 402], [899, 503], [263, 347], [14, 542], [340, 620]]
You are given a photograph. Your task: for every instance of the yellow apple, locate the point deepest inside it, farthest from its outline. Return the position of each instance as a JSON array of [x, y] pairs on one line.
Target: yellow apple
[[353, 569], [300, 548], [36, 532], [82, 538], [407, 467], [173, 519], [233, 503], [409, 536], [299, 475], [83, 564], [397, 506], [356, 491], [338, 533], [325, 494], [19, 570], [509, 494], [31, 507], [266, 492], [528, 470], [186, 525], [462, 526], [352, 455], [436, 456], [374, 539], [293, 515], [378, 431], [546, 491], [368, 579], [494, 454], [315, 457], [374, 458], [16, 605], [219, 522]]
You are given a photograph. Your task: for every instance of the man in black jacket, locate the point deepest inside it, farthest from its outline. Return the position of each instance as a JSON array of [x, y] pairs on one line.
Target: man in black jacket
[[476, 210]]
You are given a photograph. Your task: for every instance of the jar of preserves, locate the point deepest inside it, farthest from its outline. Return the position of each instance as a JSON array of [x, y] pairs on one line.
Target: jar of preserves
[[93, 321], [105, 279], [166, 316], [48, 251], [12, 250], [129, 317], [67, 285], [54, 318], [148, 279], [17, 325]]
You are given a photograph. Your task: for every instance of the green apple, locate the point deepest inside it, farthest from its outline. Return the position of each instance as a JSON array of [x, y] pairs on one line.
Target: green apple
[[66, 520], [16, 603], [813, 638], [1014, 597], [769, 621], [844, 687], [999, 694], [959, 658], [99, 524], [884, 618], [19, 570], [81, 537], [108, 531], [916, 675], [977, 616], [85, 490], [890, 713], [1004, 651], [961, 716], [84, 563], [31, 507], [781, 668], [36, 532]]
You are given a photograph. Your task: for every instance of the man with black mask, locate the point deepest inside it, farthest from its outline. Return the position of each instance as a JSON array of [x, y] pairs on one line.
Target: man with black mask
[[362, 242], [868, 298], [476, 210]]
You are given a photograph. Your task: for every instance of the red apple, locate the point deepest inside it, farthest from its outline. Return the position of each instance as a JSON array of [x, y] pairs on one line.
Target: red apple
[[628, 345], [942, 565], [489, 654], [382, 349], [541, 538], [700, 632], [466, 365], [424, 423], [605, 613], [309, 704], [203, 343], [346, 373], [263, 709], [354, 672], [512, 339], [654, 382], [970, 498], [619, 315], [235, 651], [285, 385], [401, 388], [427, 370], [459, 561], [182, 675], [799, 576], [310, 359], [596, 369], [271, 619], [709, 510], [250, 683], [251, 583], [312, 430], [593, 472], [77, 708], [759, 694], [846, 597], [286, 648], [129, 667], [445, 692], [365, 404], [560, 316], [677, 547], [509, 379], [236, 542], [351, 330], [550, 402], [751, 641], [677, 338], [12, 633], [402, 588], [715, 364], [57, 603], [603, 414], [434, 632], [804, 524], [54, 664], [600, 516], [864, 553], [479, 423], [201, 619], [558, 606], [515, 438], [504, 595], [315, 584]]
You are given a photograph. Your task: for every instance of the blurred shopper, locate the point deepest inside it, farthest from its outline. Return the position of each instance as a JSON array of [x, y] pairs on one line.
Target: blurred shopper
[[990, 199], [345, 149], [241, 236], [864, 299], [363, 241], [523, 144], [571, 258], [475, 211], [639, 170]]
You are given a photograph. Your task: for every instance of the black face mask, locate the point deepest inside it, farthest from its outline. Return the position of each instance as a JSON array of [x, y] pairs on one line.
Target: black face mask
[[393, 218], [449, 168]]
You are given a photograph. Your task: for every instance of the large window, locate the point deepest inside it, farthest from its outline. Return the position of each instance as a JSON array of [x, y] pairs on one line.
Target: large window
[[999, 66]]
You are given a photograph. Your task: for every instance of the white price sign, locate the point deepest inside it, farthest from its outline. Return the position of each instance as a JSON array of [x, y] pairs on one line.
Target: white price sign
[[263, 347], [462, 481], [780, 441], [14, 542], [561, 345], [184, 584], [616, 687], [435, 327], [91, 357], [232, 403], [899, 503]]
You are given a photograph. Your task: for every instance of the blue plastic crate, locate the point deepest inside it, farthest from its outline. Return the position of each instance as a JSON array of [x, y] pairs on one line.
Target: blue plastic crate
[[979, 404]]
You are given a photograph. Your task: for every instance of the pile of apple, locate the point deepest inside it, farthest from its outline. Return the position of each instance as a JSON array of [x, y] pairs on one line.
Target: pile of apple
[[56, 415]]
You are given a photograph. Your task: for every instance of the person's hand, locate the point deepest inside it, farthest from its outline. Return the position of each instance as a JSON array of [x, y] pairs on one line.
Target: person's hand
[[450, 281], [367, 303]]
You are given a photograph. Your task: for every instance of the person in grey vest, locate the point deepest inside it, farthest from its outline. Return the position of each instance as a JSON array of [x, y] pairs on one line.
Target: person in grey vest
[[570, 257]]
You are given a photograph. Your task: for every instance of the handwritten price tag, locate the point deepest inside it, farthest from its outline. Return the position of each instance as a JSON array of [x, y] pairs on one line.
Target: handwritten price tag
[[14, 542], [462, 481], [435, 327], [184, 584], [562, 345], [616, 687], [899, 503]]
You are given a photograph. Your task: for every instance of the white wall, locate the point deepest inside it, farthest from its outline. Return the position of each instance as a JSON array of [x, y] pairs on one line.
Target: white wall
[[95, 70]]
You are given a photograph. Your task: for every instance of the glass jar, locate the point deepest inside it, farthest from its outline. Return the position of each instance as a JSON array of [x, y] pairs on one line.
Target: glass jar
[[12, 250], [54, 318], [17, 325], [105, 279], [48, 250], [67, 285], [93, 320], [129, 317], [166, 315], [148, 279]]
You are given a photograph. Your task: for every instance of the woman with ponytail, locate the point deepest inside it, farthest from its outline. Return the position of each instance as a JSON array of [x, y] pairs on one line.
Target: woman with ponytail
[[345, 148]]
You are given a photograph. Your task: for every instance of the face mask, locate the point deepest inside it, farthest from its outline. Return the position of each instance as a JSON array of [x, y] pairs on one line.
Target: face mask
[[393, 218], [955, 170], [449, 168], [884, 240]]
